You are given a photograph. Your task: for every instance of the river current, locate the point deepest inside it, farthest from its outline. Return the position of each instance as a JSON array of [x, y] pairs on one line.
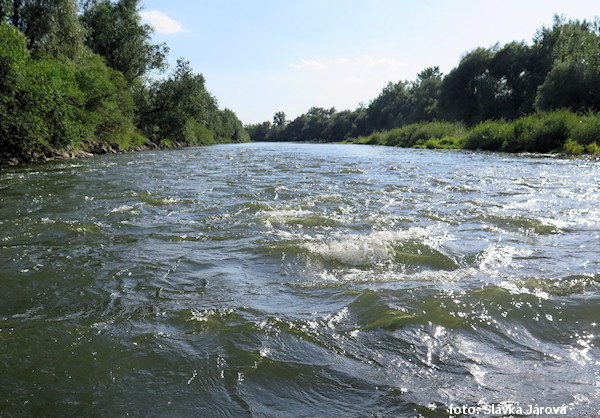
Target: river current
[[292, 280]]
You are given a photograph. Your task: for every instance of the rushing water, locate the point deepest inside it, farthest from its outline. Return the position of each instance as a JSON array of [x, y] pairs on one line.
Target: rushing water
[[299, 280]]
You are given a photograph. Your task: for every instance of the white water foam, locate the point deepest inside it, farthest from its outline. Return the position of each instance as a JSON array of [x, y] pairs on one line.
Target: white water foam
[[287, 213], [121, 209], [496, 256], [374, 248]]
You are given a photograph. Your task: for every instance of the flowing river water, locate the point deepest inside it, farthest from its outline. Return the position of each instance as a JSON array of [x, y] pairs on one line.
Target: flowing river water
[[299, 280]]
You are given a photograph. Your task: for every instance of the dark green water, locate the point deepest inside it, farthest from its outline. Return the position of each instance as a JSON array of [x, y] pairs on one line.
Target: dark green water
[[299, 280]]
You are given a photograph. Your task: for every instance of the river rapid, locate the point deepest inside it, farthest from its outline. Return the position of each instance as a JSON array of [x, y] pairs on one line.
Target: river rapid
[[300, 280]]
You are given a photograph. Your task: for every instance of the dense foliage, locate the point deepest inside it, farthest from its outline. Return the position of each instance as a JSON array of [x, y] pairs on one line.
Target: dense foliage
[[560, 130], [117, 34], [76, 80], [517, 91], [180, 110]]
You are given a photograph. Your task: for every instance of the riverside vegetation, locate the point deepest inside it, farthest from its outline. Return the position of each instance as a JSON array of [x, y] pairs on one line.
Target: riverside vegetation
[[75, 80], [545, 132], [543, 97]]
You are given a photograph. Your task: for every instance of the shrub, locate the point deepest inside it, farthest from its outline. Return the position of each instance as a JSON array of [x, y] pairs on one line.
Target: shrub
[[561, 130], [573, 148], [542, 132], [587, 130], [399, 137], [197, 134], [374, 139], [436, 129], [488, 135], [593, 148]]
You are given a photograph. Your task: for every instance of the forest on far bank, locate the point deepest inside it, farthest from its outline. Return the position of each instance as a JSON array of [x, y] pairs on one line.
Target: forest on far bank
[[541, 97], [76, 78]]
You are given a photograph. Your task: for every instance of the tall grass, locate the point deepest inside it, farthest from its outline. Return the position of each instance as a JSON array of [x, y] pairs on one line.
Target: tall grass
[[541, 132], [489, 135], [414, 135], [558, 131], [587, 131]]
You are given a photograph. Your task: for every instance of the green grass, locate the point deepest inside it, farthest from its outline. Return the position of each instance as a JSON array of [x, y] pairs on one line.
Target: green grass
[[488, 135], [438, 134], [560, 131]]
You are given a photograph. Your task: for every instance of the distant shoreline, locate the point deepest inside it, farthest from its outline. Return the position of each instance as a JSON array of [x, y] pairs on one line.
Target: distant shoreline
[[558, 132]]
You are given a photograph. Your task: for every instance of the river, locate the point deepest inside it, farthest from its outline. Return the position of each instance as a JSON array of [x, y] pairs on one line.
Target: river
[[299, 280]]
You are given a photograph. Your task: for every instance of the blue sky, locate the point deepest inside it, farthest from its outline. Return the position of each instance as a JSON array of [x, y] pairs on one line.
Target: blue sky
[[260, 57]]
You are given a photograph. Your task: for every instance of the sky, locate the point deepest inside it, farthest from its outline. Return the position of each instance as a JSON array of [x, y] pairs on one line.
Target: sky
[[263, 56]]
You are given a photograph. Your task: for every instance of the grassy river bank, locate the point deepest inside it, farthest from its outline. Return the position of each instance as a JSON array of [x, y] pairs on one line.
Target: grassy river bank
[[549, 132]]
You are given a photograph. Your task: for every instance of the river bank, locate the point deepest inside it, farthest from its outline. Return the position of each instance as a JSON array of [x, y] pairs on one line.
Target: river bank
[[97, 148], [561, 131]]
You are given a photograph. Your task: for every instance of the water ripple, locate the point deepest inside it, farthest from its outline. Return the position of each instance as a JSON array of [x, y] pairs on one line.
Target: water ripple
[[299, 279]]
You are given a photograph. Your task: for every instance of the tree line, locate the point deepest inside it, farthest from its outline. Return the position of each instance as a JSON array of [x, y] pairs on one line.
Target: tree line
[[76, 77], [559, 70]]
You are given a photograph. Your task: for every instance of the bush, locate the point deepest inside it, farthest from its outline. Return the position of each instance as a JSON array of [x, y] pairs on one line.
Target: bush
[[197, 134], [374, 139], [488, 135], [573, 148], [593, 148], [50, 104], [587, 130], [426, 131], [399, 137], [542, 132]]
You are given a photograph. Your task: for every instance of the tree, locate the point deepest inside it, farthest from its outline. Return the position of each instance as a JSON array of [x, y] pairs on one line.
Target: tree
[[570, 84], [279, 119], [49, 104], [425, 95], [391, 107], [577, 41], [259, 131], [117, 34], [16, 134], [468, 91], [515, 89], [50, 26], [232, 128], [6, 10], [572, 59], [180, 110]]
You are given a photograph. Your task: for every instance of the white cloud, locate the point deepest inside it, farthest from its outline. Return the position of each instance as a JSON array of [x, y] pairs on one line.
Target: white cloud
[[161, 22]]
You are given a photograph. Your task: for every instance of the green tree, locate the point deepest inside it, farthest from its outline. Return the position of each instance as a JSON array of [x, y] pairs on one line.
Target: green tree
[[576, 40], [179, 109], [232, 128], [18, 130], [50, 104], [570, 84], [259, 131], [338, 126], [117, 34], [391, 108], [468, 91], [51, 26], [107, 106], [279, 119], [425, 95], [571, 52]]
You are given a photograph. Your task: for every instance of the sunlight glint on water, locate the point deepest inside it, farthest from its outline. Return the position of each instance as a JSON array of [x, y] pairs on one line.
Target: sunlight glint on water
[[299, 279]]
